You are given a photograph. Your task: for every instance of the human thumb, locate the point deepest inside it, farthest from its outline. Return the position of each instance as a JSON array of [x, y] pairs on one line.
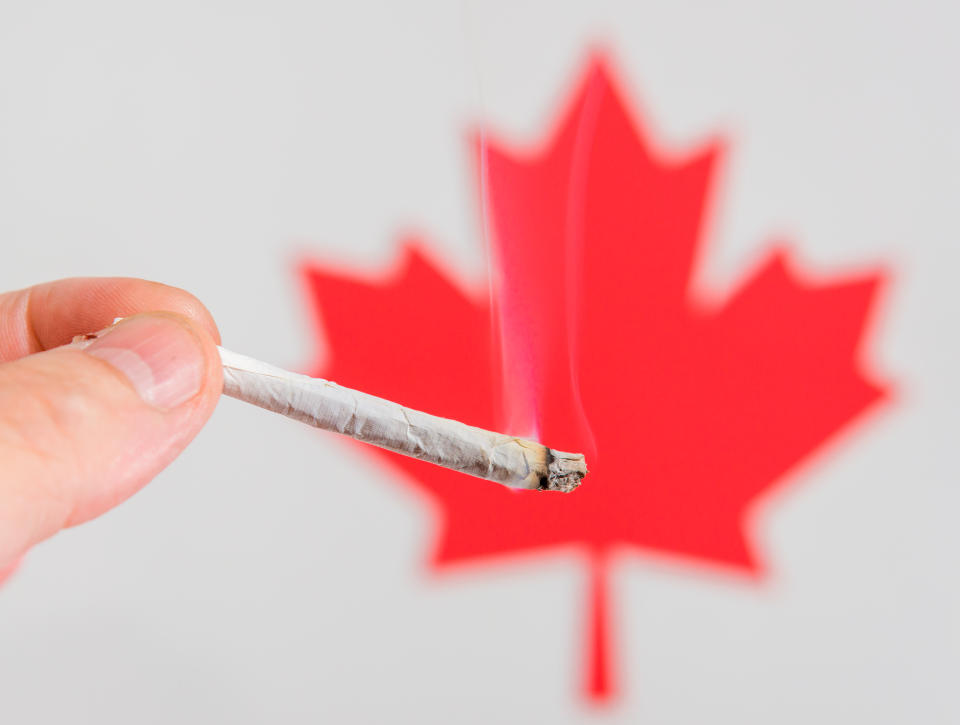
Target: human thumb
[[84, 426]]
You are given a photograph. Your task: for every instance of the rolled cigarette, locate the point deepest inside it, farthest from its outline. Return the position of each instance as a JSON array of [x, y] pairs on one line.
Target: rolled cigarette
[[514, 462]]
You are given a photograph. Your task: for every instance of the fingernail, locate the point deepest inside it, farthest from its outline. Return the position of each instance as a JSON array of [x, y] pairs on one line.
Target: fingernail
[[163, 360]]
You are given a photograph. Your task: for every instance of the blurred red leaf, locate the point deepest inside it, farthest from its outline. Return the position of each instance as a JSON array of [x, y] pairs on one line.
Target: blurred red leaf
[[687, 412]]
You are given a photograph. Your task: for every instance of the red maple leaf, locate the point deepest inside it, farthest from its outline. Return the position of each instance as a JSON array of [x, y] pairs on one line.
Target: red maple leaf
[[687, 411]]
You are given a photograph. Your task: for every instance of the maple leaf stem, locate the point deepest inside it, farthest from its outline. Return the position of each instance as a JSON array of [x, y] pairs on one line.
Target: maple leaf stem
[[599, 683]]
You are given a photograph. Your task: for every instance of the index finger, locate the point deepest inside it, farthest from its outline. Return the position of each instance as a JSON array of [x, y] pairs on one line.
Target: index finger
[[48, 315]]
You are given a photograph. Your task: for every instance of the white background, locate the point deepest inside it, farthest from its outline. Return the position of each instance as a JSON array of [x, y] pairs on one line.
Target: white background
[[275, 575]]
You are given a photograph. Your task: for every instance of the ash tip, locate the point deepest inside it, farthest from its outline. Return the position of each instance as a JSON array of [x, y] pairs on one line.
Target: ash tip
[[565, 471]]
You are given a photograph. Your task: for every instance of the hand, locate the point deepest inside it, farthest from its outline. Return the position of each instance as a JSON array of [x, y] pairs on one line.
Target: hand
[[82, 430]]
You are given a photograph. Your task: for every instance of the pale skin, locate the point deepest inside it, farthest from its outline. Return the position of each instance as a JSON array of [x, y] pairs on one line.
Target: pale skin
[[83, 430]]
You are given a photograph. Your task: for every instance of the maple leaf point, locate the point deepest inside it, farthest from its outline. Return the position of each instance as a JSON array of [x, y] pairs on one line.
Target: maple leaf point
[[688, 412]]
